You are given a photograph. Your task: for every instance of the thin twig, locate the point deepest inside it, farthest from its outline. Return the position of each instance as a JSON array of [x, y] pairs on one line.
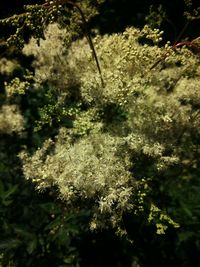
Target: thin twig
[[87, 32], [175, 45]]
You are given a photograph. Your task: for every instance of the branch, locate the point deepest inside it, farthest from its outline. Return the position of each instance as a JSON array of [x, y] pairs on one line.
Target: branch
[[88, 35]]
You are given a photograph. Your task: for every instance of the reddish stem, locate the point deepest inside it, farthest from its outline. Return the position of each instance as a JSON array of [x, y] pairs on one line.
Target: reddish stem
[[187, 43]]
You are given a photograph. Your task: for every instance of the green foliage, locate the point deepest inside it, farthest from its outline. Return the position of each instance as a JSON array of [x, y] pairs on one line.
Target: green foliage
[[156, 16], [192, 13], [34, 230], [38, 231], [16, 87], [121, 155], [37, 16]]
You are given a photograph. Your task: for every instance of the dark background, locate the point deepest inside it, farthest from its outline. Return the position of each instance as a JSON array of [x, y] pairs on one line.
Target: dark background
[[115, 15]]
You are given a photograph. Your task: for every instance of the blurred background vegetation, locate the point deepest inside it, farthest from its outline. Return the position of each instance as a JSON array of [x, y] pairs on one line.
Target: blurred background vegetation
[[36, 229]]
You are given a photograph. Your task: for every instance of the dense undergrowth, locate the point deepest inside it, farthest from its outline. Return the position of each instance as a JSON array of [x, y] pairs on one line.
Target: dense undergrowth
[[113, 153]]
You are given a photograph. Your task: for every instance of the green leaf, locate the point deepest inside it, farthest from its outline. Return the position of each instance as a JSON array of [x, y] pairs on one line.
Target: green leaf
[[11, 243], [6, 194], [184, 236], [31, 246]]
